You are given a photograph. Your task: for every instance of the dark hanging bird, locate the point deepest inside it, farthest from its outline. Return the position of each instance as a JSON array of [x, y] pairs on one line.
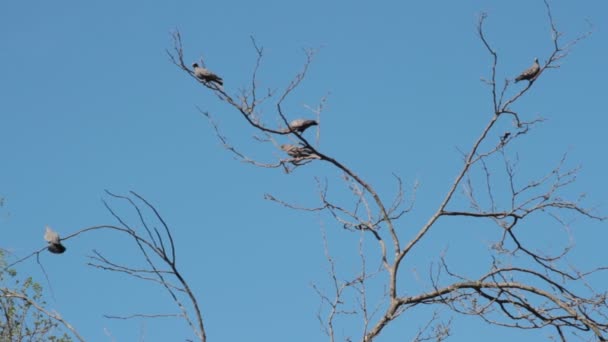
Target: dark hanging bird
[[300, 152], [206, 75], [530, 73], [300, 125], [54, 241]]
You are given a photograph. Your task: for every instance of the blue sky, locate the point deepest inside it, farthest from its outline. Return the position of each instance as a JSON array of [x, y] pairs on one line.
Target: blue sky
[[90, 101]]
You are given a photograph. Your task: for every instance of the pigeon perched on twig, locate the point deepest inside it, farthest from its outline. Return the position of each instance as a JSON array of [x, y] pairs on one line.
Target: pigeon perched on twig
[[300, 125], [299, 152], [54, 241], [530, 73], [206, 75]]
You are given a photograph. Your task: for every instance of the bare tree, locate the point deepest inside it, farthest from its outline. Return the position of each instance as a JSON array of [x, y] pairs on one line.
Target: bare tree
[[152, 237], [522, 287], [537, 290]]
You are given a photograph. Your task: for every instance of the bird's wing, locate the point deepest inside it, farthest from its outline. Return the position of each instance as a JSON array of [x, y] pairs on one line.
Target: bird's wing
[[50, 235], [531, 71]]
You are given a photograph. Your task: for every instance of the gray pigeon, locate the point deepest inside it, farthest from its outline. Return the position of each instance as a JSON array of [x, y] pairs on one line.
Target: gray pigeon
[[299, 152], [54, 241], [300, 125], [530, 73], [206, 75]]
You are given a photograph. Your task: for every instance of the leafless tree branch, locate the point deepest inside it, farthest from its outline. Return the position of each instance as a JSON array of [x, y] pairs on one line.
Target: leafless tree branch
[[538, 295]]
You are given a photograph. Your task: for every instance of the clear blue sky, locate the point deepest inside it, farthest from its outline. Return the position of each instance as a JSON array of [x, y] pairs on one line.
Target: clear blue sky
[[89, 101]]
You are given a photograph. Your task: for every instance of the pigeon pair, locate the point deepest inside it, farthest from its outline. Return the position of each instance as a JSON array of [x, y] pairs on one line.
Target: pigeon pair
[[206, 75], [54, 241]]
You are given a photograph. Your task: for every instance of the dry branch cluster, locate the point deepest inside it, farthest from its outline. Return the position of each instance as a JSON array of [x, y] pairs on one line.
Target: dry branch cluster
[[522, 287], [544, 292]]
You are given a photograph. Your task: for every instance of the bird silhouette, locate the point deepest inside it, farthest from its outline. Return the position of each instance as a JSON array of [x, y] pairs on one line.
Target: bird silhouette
[[206, 75], [530, 73], [299, 152], [52, 237], [300, 125]]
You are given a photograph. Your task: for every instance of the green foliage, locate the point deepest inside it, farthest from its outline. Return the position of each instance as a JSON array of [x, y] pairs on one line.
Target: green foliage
[[20, 320]]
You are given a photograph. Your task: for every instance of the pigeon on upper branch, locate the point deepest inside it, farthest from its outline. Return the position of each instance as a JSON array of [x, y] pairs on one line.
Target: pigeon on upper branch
[[300, 125], [530, 73], [206, 75]]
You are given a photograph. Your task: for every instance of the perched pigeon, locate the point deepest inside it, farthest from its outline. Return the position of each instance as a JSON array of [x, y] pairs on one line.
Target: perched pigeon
[[54, 241], [300, 125], [206, 75], [299, 152], [530, 73]]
